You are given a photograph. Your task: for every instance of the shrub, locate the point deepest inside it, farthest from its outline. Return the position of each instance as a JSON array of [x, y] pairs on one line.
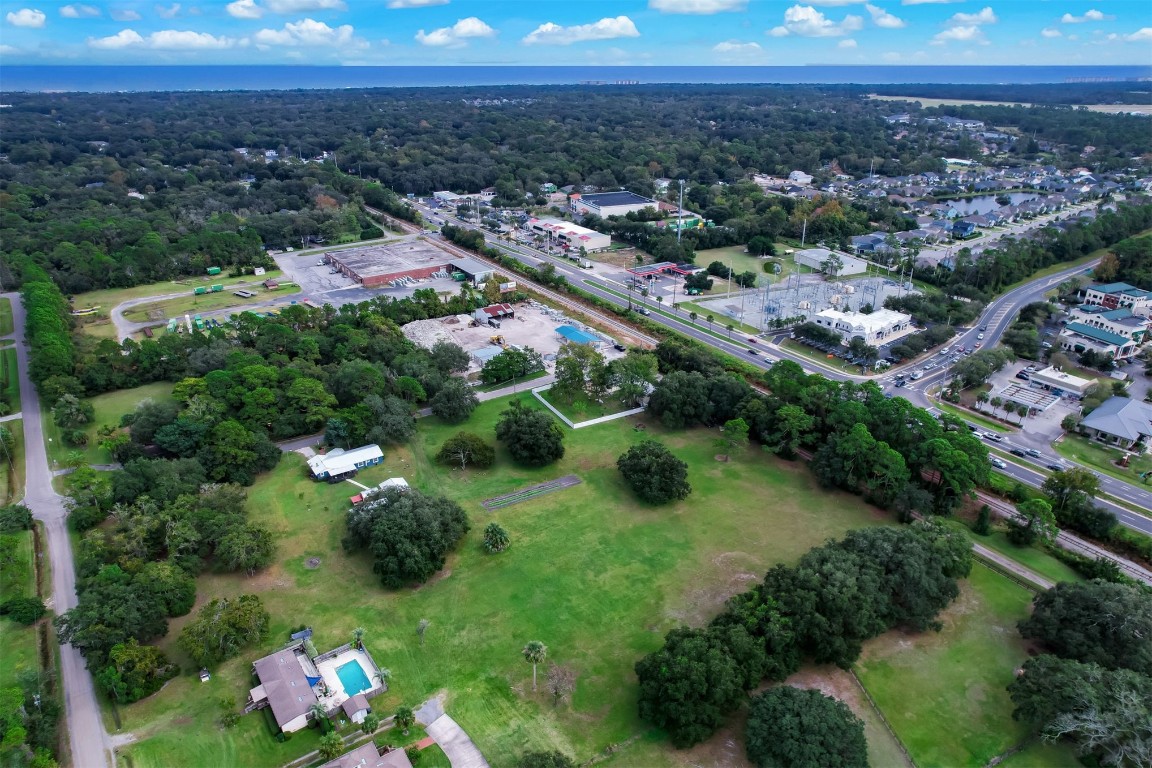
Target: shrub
[[23, 610]]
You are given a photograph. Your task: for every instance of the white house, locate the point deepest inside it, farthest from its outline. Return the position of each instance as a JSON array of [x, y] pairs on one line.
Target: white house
[[873, 328], [338, 462], [801, 178]]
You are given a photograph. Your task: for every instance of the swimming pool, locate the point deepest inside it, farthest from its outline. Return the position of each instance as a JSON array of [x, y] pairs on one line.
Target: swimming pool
[[353, 679]]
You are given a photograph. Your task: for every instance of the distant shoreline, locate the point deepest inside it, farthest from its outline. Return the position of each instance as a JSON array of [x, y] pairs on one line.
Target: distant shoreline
[[105, 79]]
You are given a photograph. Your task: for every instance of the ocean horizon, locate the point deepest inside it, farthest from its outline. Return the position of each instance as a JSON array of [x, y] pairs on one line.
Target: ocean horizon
[[105, 79]]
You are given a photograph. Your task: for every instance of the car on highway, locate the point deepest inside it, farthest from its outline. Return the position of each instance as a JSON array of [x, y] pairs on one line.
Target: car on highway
[[901, 383], [983, 328], [980, 336], [1055, 467], [1032, 452], [998, 463], [753, 352], [992, 436], [1017, 452], [751, 340]]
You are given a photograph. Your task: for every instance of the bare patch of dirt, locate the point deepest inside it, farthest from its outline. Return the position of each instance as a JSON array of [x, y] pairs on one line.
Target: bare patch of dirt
[[731, 575], [312, 563], [440, 576], [721, 457]]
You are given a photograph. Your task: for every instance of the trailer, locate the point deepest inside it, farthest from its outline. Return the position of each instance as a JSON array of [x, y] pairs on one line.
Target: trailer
[[213, 270], [200, 291], [217, 288]]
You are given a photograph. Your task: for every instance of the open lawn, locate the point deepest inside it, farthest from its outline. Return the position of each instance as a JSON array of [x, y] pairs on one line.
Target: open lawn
[[5, 317], [10, 379], [17, 642], [944, 693], [109, 408], [582, 409], [108, 298], [208, 302], [1100, 457], [598, 581], [973, 416], [12, 467], [735, 257]]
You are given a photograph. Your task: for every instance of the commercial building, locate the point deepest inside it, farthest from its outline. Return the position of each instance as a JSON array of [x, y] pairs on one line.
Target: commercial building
[[873, 328], [569, 235], [338, 463], [1080, 337], [817, 258], [1122, 422], [1059, 383], [1121, 321], [378, 265], [571, 333], [605, 204], [1117, 295]]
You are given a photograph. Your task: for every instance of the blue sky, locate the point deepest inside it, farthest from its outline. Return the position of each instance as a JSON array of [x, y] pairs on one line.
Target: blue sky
[[561, 32]]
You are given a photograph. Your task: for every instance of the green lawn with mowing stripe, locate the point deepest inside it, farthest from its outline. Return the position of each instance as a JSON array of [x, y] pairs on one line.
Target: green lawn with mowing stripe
[[5, 317], [944, 693], [10, 379], [17, 642], [596, 576]]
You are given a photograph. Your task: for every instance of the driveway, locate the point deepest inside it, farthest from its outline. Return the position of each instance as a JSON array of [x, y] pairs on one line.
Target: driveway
[[89, 744], [459, 748]]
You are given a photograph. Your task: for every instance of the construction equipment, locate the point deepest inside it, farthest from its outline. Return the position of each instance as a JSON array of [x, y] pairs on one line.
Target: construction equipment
[[499, 341]]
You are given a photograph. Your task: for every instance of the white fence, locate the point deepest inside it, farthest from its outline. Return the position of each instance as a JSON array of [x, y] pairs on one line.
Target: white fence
[[580, 425]]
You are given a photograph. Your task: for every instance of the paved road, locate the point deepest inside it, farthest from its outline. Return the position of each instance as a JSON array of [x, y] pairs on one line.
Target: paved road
[[997, 317], [89, 744]]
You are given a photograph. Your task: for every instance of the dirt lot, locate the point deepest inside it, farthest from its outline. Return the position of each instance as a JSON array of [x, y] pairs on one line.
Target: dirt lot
[[534, 326]]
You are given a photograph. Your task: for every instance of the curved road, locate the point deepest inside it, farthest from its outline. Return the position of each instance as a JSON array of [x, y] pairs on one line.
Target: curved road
[[89, 744]]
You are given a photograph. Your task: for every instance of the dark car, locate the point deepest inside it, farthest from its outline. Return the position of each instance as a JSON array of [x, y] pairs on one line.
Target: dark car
[[620, 347], [901, 383], [1055, 467], [752, 340], [1017, 452], [1022, 376], [753, 352]]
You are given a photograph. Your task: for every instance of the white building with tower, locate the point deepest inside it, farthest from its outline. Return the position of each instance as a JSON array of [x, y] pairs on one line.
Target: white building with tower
[[874, 328]]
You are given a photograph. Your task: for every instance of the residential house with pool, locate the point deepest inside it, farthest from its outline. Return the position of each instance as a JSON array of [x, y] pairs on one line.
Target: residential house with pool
[[290, 682]]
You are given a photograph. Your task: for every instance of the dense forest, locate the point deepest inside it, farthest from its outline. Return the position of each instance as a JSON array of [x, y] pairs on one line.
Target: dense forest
[[107, 190]]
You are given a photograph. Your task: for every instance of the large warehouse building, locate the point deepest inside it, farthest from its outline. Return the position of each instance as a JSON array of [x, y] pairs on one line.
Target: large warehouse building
[[565, 233], [378, 265], [605, 204]]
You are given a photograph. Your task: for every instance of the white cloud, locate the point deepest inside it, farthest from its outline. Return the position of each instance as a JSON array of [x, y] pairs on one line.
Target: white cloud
[[304, 6], [968, 34], [122, 39], [26, 17], [806, 21], [244, 9], [1141, 35], [164, 40], [929, 2], [457, 35], [1051, 32], [605, 29], [883, 19], [170, 12], [306, 33], [698, 7], [736, 48], [78, 11], [1092, 15], [415, 3], [187, 40], [985, 16], [848, 43], [124, 15]]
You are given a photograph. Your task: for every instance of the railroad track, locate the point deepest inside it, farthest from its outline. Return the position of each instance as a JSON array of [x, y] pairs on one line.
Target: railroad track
[[553, 296]]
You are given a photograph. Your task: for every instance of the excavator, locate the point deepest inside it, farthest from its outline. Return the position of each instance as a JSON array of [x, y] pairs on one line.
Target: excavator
[[499, 341]]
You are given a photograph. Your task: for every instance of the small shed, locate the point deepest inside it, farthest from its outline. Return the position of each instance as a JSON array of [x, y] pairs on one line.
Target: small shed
[[484, 354], [271, 285], [356, 708], [576, 336]]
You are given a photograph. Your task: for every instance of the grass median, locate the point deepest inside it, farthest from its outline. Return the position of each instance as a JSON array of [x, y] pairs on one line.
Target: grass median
[[6, 326]]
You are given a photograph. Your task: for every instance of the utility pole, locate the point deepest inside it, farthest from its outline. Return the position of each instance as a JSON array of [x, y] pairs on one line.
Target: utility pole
[[804, 233], [680, 213]]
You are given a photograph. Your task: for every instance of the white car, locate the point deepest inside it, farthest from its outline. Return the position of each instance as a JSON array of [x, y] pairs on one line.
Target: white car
[[980, 336], [998, 463], [993, 437]]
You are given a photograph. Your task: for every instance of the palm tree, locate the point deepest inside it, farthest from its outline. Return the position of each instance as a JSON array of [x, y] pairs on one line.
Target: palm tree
[[1022, 411], [995, 402], [710, 319], [317, 712], [982, 398], [730, 328], [692, 316], [659, 299], [404, 719], [358, 637], [534, 653]]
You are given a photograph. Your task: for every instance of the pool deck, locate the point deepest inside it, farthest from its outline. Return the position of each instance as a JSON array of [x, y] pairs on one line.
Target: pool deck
[[327, 669]]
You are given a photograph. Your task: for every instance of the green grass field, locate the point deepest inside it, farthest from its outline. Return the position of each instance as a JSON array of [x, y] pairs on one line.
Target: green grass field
[[208, 302], [5, 317], [598, 582], [973, 416], [1100, 457], [582, 409], [109, 408], [1030, 557], [108, 298], [10, 379], [739, 261], [12, 467], [944, 694], [17, 643]]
